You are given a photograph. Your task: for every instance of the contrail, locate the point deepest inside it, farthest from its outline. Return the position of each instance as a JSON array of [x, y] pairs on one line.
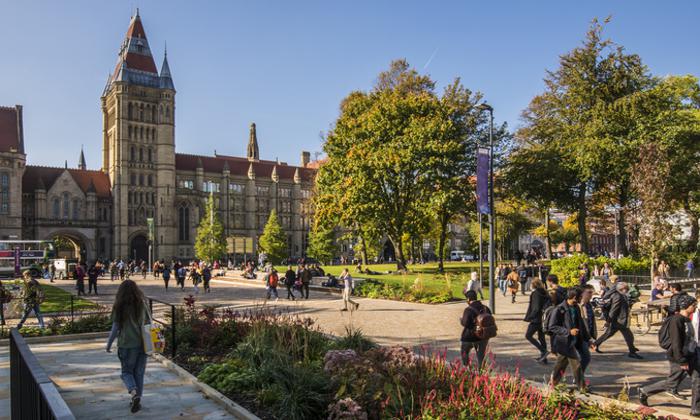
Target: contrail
[[427, 63]]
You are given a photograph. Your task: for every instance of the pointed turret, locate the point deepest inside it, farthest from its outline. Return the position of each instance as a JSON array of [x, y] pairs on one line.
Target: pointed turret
[[275, 177], [253, 152], [297, 177], [251, 171], [166, 79], [81, 160]]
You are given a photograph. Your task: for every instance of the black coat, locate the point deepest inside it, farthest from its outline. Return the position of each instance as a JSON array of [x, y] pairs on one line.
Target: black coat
[[468, 320], [560, 325], [619, 309], [289, 278], [539, 300], [677, 327]]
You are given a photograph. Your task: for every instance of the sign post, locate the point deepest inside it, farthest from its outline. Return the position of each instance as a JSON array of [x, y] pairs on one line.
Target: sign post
[[151, 236], [18, 265]]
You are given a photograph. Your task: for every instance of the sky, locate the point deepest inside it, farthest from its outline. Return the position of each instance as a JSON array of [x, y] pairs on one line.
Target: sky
[[286, 65]]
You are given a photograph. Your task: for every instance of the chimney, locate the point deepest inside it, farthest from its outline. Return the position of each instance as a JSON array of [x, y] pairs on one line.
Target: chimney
[[305, 158]]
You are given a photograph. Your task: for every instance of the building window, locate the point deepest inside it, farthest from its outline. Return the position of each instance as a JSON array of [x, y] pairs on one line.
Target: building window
[[305, 194], [56, 208], [76, 210], [186, 183], [140, 179], [285, 206], [4, 193], [184, 223], [236, 188], [286, 222], [210, 186], [239, 221], [263, 190], [131, 111], [150, 177], [285, 192], [66, 205], [150, 155], [132, 153], [140, 154], [262, 221], [132, 179], [129, 132], [263, 205]]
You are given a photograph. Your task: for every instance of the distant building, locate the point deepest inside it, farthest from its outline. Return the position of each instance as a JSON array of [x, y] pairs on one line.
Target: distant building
[[105, 212]]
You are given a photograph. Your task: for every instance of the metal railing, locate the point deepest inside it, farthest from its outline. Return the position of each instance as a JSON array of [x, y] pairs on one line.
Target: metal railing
[[173, 322], [32, 394]]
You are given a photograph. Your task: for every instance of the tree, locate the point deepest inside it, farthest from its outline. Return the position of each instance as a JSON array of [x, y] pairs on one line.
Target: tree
[[273, 241], [381, 154], [576, 122], [651, 183], [321, 244], [210, 244]]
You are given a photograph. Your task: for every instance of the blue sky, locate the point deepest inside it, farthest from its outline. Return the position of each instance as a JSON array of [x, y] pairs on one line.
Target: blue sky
[[286, 65]]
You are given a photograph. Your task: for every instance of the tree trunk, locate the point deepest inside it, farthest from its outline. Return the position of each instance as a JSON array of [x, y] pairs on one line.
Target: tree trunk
[[651, 270], [398, 252], [582, 215], [363, 254], [547, 240], [622, 228], [694, 226], [441, 244]]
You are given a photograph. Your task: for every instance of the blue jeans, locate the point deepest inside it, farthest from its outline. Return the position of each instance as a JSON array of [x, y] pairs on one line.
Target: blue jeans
[[584, 353], [133, 368], [27, 310], [502, 285]]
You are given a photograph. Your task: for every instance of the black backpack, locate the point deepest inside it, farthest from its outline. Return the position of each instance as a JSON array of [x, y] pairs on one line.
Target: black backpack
[[664, 335]]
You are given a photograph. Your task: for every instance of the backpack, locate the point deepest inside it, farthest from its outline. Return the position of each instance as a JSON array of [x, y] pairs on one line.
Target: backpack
[[273, 280], [664, 335], [485, 326], [546, 316]]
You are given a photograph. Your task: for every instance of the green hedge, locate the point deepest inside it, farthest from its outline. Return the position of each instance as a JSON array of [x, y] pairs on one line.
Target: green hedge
[[567, 268]]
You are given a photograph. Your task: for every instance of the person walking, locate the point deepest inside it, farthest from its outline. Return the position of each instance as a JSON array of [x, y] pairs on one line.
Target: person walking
[[522, 278], [289, 278], [502, 274], [206, 278], [569, 336], [92, 273], [80, 279], [682, 358], [618, 318], [470, 338], [676, 293], [689, 268], [475, 285], [52, 271], [305, 277], [33, 296], [144, 269], [513, 283], [589, 322], [556, 290], [539, 300], [128, 317], [349, 285], [271, 281], [166, 275]]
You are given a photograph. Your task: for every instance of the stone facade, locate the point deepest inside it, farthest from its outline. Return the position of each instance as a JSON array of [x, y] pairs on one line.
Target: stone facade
[[105, 213]]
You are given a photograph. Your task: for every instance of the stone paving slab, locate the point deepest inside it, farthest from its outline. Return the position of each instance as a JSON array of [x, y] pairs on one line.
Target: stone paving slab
[[435, 327], [88, 379]]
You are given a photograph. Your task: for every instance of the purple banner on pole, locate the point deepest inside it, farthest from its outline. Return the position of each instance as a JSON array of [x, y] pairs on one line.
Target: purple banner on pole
[[482, 181]]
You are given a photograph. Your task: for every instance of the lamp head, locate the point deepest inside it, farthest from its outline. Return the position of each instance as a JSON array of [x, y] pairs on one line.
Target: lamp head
[[484, 107]]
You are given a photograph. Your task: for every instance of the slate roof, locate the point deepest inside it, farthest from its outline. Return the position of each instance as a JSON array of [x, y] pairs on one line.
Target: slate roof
[[35, 176], [239, 166]]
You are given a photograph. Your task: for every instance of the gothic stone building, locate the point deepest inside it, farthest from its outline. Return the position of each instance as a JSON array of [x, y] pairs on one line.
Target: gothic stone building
[[106, 213]]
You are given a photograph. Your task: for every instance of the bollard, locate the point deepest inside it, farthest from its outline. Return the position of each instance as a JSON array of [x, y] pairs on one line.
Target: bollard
[[173, 323]]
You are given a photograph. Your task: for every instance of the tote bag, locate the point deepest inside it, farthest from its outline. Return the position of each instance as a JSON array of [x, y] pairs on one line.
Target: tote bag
[[152, 335]]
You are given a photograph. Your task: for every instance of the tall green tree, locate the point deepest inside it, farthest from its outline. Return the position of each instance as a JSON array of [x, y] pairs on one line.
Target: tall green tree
[[210, 244], [273, 241], [575, 122], [322, 244]]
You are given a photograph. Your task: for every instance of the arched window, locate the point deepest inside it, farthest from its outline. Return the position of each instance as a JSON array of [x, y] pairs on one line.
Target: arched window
[[184, 223], [76, 209], [56, 208], [150, 155], [141, 179], [66, 205], [141, 154], [150, 179], [153, 114], [167, 114], [129, 198], [141, 113], [140, 198], [141, 136], [154, 134], [129, 132], [132, 152], [131, 111]]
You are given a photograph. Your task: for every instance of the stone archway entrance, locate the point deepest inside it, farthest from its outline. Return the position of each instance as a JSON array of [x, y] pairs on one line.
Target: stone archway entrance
[[138, 249], [69, 246]]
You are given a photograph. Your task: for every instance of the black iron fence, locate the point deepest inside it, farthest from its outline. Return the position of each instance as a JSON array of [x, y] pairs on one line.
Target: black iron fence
[[171, 310], [32, 394]]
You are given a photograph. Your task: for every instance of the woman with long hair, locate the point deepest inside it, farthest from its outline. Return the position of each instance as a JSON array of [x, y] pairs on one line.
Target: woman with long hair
[[539, 300], [128, 317]]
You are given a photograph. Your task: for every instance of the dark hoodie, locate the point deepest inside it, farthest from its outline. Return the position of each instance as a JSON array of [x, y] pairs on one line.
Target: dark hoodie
[[468, 320]]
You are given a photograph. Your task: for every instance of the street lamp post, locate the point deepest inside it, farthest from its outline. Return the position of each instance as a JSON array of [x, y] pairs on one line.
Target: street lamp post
[[492, 212]]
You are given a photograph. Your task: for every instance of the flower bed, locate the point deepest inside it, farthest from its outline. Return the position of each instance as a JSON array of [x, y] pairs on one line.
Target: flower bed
[[281, 366], [98, 322], [377, 289]]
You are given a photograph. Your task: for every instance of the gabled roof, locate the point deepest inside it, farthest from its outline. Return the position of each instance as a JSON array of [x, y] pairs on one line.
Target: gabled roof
[[239, 166], [37, 177], [11, 129]]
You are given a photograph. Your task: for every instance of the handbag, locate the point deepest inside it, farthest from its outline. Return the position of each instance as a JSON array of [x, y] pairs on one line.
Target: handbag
[[152, 336]]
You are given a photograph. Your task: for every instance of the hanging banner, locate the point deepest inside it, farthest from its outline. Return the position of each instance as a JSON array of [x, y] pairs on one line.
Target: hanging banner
[[18, 265], [482, 181], [151, 229]]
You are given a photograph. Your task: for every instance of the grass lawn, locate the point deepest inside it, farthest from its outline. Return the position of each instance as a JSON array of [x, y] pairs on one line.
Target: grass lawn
[[58, 300], [458, 273]]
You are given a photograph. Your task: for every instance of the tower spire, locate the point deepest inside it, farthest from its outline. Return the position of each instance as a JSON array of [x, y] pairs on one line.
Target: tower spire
[[166, 79], [81, 160], [253, 151]]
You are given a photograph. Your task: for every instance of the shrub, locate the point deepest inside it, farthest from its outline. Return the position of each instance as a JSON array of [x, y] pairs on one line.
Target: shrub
[[354, 339]]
